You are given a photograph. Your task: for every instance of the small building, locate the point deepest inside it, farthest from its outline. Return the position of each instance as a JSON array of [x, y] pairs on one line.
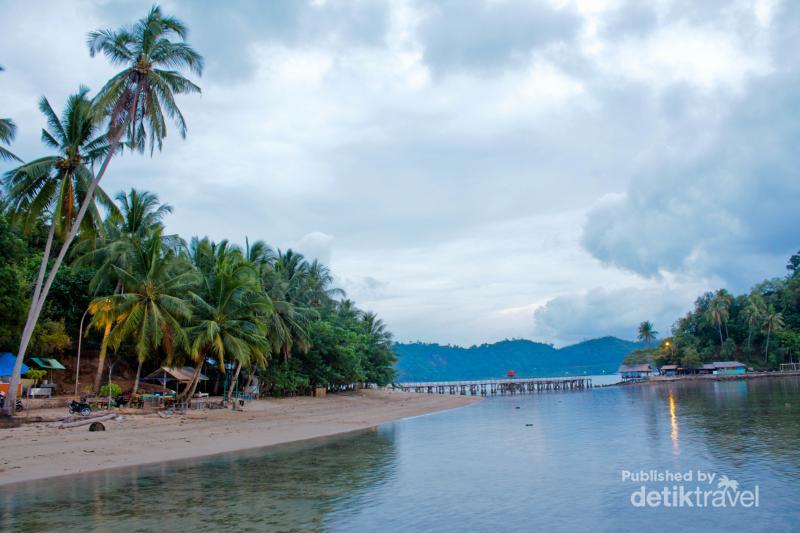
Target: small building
[[669, 370], [635, 372], [707, 368], [729, 367]]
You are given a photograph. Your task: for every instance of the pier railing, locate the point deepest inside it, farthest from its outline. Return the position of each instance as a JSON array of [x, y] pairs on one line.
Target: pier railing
[[497, 386]]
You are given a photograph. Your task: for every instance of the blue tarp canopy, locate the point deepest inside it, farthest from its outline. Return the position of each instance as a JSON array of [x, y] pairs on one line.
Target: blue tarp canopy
[[7, 360]]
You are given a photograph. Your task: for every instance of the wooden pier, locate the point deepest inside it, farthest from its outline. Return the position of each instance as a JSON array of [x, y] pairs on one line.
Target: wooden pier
[[498, 386]]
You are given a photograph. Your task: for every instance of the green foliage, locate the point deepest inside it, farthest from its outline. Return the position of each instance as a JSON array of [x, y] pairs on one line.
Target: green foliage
[[49, 338], [12, 286], [115, 389], [728, 349], [690, 358], [760, 327], [647, 332], [284, 379], [35, 374]]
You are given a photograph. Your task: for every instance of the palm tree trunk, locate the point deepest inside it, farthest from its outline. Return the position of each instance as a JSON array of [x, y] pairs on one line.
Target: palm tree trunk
[[721, 342], [37, 304], [136, 382], [189, 392], [234, 380], [43, 266], [101, 361], [749, 337], [766, 346]]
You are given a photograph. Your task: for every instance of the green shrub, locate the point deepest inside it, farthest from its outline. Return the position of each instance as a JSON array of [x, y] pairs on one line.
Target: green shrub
[[35, 374], [116, 390]]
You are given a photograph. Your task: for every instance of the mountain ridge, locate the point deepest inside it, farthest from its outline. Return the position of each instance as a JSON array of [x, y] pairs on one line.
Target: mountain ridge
[[435, 362]]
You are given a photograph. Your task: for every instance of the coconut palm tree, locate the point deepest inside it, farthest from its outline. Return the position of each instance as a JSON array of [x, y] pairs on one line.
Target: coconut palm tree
[[152, 307], [719, 311], [134, 102], [54, 187], [8, 130], [753, 314], [224, 325], [139, 217], [647, 332], [104, 316], [772, 321]]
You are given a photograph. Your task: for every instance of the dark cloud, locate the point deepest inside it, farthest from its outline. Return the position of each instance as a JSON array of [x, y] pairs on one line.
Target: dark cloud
[[490, 36], [720, 200]]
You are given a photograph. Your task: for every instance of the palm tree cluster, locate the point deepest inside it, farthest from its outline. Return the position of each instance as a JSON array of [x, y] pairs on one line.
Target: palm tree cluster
[[152, 294], [761, 328]]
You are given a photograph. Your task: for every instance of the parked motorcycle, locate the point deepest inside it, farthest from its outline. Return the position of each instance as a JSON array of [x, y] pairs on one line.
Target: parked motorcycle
[[82, 407], [17, 405]]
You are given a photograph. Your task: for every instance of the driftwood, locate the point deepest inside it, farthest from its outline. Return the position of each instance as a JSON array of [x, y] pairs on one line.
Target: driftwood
[[87, 421]]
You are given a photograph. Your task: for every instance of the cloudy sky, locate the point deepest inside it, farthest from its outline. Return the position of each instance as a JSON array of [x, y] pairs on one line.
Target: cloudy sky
[[471, 170]]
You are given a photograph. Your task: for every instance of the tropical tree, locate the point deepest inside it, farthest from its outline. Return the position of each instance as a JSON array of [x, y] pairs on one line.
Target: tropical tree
[[139, 218], [53, 187], [224, 325], [772, 322], [719, 311], [152, 308], [8, 130], [647, 332], [103, 319], [753, 314], [133, 102]]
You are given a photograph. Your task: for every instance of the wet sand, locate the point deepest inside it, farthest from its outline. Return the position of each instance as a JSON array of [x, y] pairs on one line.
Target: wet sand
[[40, 450]]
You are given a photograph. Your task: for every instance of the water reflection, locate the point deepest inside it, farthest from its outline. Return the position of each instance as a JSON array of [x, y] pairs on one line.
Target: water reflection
[[297, 488], [548, 461], [673, 420]]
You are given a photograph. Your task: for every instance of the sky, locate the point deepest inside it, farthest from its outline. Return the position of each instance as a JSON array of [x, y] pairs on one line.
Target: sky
[[471, 170]]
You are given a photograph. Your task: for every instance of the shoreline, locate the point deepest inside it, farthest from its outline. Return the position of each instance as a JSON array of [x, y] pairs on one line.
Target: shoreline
[[39, 451], [657, 380]]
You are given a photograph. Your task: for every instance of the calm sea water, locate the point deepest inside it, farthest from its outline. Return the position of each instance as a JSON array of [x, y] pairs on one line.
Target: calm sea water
[[551, 461]]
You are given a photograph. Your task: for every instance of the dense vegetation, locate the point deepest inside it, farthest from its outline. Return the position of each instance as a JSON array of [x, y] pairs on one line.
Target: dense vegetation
[[434, 362], [761, 328], [70, 252]]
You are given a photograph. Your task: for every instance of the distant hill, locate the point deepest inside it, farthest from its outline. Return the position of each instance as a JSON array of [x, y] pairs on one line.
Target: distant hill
[[434, 362]]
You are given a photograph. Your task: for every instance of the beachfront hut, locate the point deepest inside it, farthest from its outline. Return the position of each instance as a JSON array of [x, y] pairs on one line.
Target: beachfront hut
[[49, 364], [669, 370], [167, 374], [635, 372], [729, 367]]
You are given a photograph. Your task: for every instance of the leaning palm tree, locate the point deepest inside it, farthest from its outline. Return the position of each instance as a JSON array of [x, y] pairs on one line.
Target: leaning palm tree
[[224, 324], [134, 102], [8, 130], [647, 332], [772, 321], [53, 187], [151, 309]]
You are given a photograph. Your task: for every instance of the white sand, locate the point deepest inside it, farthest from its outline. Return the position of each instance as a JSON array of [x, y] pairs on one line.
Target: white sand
[[38, 451]]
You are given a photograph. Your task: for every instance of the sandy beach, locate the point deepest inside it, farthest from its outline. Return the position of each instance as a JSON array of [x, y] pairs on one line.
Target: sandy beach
[[39, 451]]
